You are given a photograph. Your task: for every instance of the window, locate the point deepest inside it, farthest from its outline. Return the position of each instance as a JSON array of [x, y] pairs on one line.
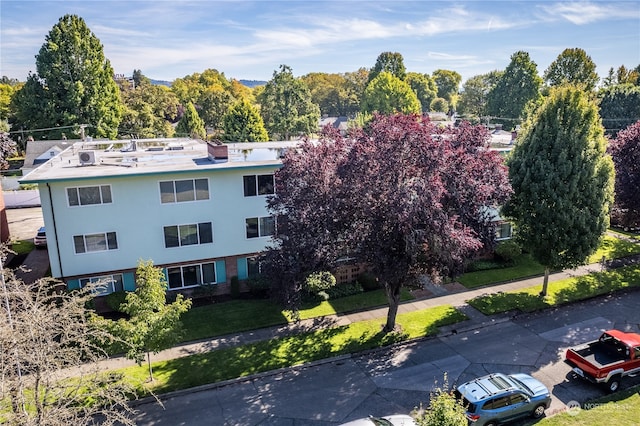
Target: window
[[253, 266], [107, 283], [503, 231], [179, 191], [517, 398], [191, 275], [258, 185], [88, 195], [95, 242], [260, 226], [186, 235], [495, 403]]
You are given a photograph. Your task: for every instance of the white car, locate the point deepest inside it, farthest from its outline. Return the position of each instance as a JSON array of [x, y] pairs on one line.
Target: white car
[[394, 420]]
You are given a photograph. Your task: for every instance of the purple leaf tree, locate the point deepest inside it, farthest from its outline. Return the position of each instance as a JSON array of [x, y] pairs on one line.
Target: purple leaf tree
[[403, 196]]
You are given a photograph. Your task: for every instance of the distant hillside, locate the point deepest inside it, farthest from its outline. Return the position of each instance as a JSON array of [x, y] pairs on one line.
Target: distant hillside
[[252, 83], [160, 82], [248, 83]]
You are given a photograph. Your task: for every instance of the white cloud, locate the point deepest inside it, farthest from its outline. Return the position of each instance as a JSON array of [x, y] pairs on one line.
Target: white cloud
[[582, 13]]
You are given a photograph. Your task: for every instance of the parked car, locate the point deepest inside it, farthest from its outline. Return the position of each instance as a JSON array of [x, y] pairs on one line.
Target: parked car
[[393, 420], [498, 398], [40, 240], [607, 360]]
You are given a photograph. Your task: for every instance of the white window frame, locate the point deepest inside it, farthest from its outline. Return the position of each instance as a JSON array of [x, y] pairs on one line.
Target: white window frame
[[107, 284], [107, 243], [183, 226], [260, 223], [201, 279], [175, 192], [78, 189], [499, 226], [256, 182]]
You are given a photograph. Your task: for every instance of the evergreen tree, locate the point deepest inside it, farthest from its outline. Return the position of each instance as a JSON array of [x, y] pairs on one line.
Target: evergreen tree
[[519, 85], [191, 125], [619, 106], [562, 181], [572, 66], [286, 106], [243, 124], [387, 94], [74, 85]]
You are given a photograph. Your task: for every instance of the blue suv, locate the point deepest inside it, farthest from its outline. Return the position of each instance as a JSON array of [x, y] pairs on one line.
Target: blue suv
[[499, 398]]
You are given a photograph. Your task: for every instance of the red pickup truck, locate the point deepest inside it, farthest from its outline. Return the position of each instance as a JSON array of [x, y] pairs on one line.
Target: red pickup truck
[[607, 360]]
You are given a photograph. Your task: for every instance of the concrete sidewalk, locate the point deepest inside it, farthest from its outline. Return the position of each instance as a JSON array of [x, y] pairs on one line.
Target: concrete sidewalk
[[457, 299]]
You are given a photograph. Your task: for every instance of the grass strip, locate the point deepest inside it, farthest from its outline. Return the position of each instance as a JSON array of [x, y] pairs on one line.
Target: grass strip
[[242, 361], [620, 409], [559, 292]]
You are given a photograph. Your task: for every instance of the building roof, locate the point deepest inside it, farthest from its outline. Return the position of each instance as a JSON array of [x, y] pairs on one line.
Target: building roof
[[96, 159]]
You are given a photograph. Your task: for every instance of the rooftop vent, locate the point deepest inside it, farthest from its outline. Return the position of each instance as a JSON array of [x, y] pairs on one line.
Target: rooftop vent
[[86, 158]]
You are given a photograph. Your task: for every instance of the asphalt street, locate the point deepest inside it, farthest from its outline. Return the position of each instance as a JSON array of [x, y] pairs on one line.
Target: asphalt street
[[399, 379]]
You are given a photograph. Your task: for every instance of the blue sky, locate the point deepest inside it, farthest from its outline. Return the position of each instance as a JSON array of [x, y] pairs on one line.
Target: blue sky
[[251, 39]]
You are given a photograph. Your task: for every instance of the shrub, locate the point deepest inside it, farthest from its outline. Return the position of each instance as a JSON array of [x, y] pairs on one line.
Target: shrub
[[508, 250], [483, 265], [368, 281], [258, 287], [444, 409], [115, 299], [320, 281], [344, 290], [234, 287]]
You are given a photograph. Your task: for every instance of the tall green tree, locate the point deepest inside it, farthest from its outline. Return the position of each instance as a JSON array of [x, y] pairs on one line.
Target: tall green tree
[[153, 325], [191, 125], [74, 85], [391, 62], [150, 109], [572, 66], [519, 85], [387, 94], [243, 123], [472, 102], [619, 106], [424, 87], [448, 83], [286, 106], [332, 93], [562, 180]]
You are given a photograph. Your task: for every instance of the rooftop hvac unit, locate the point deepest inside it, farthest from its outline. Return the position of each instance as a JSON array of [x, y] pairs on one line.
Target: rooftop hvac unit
[[87, 157]]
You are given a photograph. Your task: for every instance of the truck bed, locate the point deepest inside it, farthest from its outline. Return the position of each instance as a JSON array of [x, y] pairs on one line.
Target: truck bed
[[600, 354]]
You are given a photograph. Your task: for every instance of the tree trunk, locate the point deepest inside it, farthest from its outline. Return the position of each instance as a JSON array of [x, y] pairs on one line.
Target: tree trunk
[[150, 369], [393, 295], [545, 283]]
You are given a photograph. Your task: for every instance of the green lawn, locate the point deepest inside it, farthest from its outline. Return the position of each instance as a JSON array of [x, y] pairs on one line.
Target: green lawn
[[241, 361], [620, 409], [236, 316], [525, 266], [559, 292]]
